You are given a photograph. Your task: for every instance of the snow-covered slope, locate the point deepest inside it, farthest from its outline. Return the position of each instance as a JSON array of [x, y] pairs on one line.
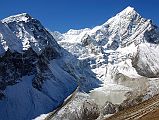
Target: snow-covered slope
[[122, 52], [33, 79]]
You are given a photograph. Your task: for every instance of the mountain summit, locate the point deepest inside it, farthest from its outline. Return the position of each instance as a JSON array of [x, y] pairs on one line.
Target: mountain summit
[[121, 30], [127, 11], [20, 17], [30, 32]]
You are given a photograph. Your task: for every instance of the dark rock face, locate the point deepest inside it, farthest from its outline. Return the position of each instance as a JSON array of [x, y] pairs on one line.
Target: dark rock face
[[86, 40], [114, 45], [90, 111], [109, 108], [15, 65], [132, 102], [152, 35]]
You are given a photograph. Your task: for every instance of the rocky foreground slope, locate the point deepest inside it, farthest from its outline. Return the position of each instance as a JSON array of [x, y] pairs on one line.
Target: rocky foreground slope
[[147, 110]]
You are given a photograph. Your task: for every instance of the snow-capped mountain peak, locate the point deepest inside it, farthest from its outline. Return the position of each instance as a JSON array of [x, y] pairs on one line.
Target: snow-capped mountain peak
[[76, 32], [119, 36], [119, 28], [30, 32], [126, 14], [20, 17], [128, 10]]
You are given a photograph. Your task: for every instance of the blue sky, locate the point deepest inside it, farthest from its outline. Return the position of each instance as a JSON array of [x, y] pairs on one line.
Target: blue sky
[[62, 15]]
